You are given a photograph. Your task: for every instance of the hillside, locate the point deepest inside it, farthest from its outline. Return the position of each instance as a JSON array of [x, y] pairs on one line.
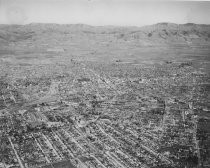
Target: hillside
[[38, 43], [164, 32]]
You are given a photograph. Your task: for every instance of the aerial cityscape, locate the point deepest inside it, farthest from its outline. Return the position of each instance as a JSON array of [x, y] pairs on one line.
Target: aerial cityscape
[[101, 97], [104, 84]]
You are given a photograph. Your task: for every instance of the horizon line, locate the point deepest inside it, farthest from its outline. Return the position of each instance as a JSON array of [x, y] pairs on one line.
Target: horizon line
[[187, 23]]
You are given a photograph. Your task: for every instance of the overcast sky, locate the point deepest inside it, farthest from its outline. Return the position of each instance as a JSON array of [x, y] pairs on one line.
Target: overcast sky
[[103, 12]]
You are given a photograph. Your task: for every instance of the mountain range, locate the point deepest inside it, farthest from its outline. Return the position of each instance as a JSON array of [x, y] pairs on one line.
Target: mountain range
[[159, 33]]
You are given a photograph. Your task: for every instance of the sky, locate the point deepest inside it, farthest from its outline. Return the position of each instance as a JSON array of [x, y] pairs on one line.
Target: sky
[[103, 12]]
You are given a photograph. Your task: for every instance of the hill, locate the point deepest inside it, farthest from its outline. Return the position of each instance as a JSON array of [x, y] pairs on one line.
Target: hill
[[38, 43], [161, 32]]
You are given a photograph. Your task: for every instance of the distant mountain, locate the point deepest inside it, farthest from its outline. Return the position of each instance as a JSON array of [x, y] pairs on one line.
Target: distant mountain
[[161, 32], [172, 32]]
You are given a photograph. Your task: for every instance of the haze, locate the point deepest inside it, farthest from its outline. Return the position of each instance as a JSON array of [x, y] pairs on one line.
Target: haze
[[99, 13]]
